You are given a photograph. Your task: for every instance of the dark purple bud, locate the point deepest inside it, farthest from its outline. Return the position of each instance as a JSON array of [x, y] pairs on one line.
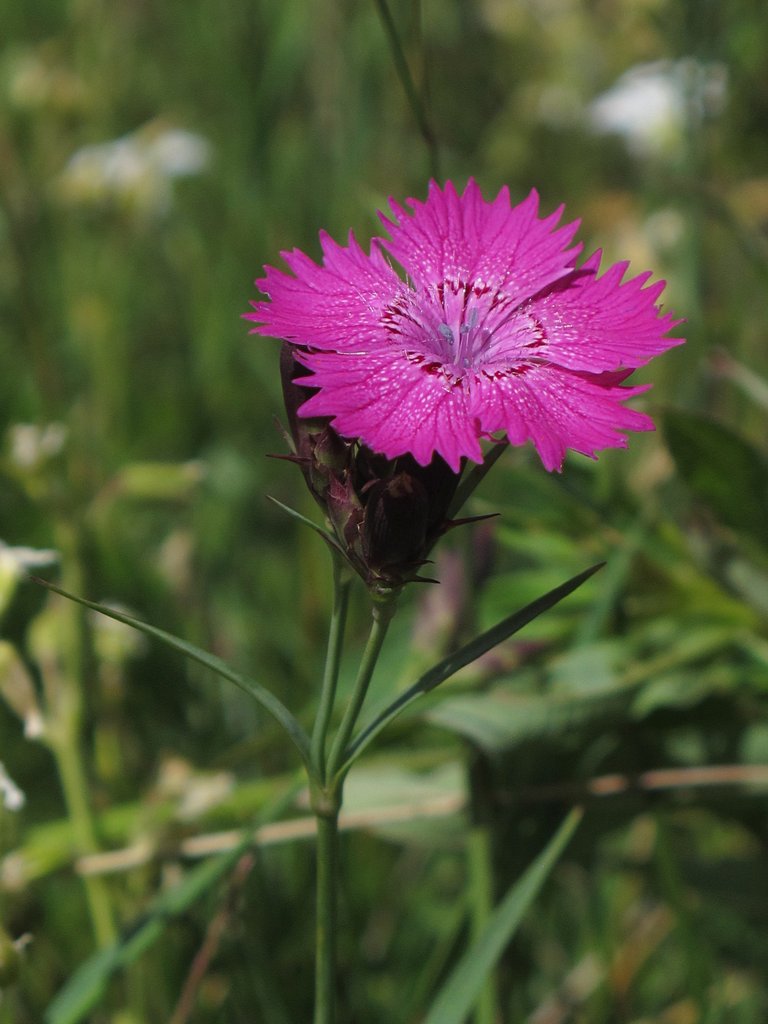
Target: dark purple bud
[[395, 524], [386, 513], [440, 483]]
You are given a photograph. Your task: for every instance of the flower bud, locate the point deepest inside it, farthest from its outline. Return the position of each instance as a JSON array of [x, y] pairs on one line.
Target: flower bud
[[388, 513], [385, 513], [395, 523]]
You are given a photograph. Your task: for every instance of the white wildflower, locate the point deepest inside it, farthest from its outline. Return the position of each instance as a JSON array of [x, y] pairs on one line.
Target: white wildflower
[[651, 103], [12, 796], [135, 171]]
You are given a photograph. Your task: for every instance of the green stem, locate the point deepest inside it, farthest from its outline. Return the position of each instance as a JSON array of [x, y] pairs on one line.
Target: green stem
[[481, 907], [75, 789], [327, 784], [383, 611], [327, 787], [341, 587], [65, 735], [325, 925], [411, 92]]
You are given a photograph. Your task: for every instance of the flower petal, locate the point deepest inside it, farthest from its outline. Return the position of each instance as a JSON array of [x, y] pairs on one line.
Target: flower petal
[[557, 410], [495, 329], [392, 405], [490, 244], [332, 306], [597, 323]]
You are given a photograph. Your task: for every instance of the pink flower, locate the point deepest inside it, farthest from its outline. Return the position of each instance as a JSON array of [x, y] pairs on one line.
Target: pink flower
[[494, 330]]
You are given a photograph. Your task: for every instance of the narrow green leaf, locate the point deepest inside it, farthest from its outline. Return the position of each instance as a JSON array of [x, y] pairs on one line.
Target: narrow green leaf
[[456, 998], [464, 656], [84, 989], [88, 984], [327, 537], [268, 701]]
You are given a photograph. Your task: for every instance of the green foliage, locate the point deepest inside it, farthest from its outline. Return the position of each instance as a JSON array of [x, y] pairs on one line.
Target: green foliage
[[722, 469], [136, 420]]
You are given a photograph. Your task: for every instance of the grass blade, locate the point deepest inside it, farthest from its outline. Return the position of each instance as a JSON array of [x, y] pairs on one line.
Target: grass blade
[[458, 995], [88, 984]]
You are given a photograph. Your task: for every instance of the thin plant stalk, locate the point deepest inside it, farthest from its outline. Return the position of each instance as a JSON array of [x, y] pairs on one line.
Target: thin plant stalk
[[327, 814], [65, 740], [480, 888], [325, 920], [341, 586], [73, 782], [383, 612], [327, 790], [409, 86]]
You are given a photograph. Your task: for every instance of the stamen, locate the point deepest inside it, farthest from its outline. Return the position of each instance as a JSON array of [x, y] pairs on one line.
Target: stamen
[[447, 333]]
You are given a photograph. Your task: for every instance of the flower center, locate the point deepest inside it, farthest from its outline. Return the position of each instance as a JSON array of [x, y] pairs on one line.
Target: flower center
[[463, 344], [458, 327]]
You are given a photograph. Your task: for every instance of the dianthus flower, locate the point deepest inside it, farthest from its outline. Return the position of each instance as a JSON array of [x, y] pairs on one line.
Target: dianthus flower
[[493, 330]]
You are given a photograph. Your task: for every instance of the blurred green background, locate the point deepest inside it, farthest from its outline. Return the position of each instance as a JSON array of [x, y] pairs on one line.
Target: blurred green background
[[153, 156]]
